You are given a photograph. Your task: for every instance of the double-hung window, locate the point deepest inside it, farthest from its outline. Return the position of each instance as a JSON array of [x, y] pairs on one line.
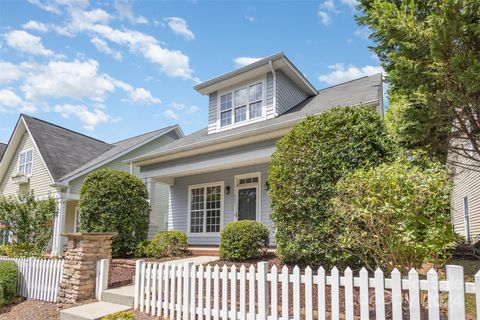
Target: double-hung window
[[205, 208], [241, 105], [25, 162]]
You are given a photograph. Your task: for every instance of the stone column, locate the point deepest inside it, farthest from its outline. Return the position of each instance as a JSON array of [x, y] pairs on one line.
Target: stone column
[[79, 268]]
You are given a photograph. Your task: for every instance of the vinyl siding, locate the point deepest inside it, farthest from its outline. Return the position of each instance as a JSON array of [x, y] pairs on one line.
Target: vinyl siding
[[466, 184], [288, 93], [178, 215], [40, 180], [270, 109]]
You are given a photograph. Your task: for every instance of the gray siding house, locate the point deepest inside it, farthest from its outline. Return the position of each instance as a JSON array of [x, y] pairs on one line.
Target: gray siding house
[[53, 162], [218, 174]]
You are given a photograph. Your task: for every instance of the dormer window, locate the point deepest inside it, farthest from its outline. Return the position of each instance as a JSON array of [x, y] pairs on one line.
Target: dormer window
[[242, 105], [25, 162]]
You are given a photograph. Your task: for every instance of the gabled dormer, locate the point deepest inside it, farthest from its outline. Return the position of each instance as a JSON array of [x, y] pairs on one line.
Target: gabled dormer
[[262, 90]]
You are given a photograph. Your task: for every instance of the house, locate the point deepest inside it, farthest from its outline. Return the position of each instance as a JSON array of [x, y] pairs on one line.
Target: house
[[218, 174], [3, 147], [53, 162]]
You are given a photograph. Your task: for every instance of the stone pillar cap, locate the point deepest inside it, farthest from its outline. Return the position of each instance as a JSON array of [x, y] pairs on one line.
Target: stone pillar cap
[[89, 235]]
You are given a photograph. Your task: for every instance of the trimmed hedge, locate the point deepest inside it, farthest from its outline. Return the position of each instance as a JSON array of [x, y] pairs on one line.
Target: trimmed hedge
[[169, 243], [305, 167], [8, 281], [115, 201], [243, 240]]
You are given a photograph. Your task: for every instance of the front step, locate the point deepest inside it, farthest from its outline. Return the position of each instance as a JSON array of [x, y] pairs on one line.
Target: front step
[[92, 311], [122, 295]]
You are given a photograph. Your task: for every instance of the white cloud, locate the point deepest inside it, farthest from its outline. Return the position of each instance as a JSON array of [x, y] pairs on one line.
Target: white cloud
[[89, 118], [324, 17], [362, 33], [328, 5], [54, 5], [9, 72], [74, 79], [35, 25], [180, 27], [102, 46], [192, 109], [250, 18], [140, 95], [170, 114], [26, 42], [124, 11], [351, 3], [341, 73], [11, 102], [243, 61]]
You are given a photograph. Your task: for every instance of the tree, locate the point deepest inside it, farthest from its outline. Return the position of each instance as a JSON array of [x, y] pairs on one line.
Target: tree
[[430, 51], [115, 201], [304, 169], [29, 221], [396, 215]]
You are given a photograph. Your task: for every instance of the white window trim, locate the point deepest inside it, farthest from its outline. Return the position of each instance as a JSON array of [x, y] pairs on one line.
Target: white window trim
[[222, 205], [25, 152], [258, 185], [77, 212], [466, 218], [247, 85]]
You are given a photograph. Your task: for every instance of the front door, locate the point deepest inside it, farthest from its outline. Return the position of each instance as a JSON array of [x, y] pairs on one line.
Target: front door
[[247, 203]]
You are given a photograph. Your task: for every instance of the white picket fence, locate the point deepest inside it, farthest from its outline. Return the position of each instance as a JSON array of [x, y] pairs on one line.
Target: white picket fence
[[194, 292], [38, 279]]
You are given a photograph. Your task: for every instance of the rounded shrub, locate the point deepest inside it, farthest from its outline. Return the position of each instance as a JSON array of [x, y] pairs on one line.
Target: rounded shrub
[[8, 281], [115, 201], [169, 243], [243, 240], [304, 169]]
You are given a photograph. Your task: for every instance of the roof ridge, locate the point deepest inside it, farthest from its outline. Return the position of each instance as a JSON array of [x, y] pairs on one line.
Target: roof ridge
[[353, 80], [58, 126], [143, 134]]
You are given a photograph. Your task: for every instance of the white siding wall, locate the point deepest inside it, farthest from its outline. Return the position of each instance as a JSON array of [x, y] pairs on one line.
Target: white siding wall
[[212, 112], [466, 183], [40, 180], [178, 217], [288, 93]]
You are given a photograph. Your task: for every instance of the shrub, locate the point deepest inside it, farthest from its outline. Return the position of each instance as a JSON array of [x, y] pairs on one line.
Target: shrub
[[8, 281], [303, 172], [141, 249], [124, 315], [169, 243], [243, 240], [29, 221], [396, 215], [116, 201]]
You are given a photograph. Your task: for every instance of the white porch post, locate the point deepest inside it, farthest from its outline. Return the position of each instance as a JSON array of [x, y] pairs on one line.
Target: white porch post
[[57, 243], [153, 227]]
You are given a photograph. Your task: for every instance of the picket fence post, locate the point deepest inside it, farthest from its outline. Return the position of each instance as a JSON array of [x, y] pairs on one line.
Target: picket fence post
[[262, 290], [138, 270], [456, 292], [102, 277]]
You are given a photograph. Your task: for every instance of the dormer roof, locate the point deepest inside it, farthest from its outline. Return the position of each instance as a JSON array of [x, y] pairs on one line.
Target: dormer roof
[[278, 61]]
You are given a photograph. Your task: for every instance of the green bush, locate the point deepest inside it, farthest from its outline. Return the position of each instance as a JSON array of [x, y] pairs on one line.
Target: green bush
[[20, 250], [115, 201], [124, 315], [396, 215], [243, 240], [169, 243], [141, 249], [29, 221], [8, 281], [303, 172]]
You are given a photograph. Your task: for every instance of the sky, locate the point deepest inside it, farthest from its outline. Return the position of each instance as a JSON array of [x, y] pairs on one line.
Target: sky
[[115, 69]]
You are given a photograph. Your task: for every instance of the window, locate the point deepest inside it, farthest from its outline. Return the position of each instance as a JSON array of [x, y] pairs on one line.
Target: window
[[247, 105], [466, 217], [25, 162], [76, 222], [205, 208]]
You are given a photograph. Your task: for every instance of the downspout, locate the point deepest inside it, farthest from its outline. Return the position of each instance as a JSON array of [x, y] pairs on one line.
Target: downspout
[[274, 87]]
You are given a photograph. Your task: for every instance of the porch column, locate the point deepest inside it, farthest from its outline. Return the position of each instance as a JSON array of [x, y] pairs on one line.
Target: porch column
[[152, 226], [57, 241]]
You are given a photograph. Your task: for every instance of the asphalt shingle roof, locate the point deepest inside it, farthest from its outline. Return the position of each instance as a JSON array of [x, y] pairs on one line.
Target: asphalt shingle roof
[[360, 91], [119, 147], [63, 150], [3, 147]]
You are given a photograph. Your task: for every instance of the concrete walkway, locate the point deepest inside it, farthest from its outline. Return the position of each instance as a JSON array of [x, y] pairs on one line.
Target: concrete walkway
[[119, 299]]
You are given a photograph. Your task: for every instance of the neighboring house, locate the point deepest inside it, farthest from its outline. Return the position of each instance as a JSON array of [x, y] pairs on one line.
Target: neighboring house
[[218, 174], [465, 201], [53, 162], [3, 147]]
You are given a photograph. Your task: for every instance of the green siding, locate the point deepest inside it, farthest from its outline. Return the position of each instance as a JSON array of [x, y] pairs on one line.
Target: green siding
[[40, 180]]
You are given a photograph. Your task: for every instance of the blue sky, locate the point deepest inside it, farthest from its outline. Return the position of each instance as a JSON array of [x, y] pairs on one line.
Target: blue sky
[[114, 69]]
